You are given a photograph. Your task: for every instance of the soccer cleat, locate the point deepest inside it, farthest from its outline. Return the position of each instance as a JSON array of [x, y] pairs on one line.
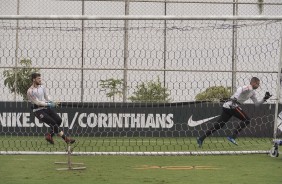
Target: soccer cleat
[[49, 138], [200, 142], [232, 140], [69, 140]]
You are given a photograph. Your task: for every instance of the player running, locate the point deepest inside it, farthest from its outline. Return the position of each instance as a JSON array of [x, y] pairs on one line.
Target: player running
[[232, 108], [42, 109]]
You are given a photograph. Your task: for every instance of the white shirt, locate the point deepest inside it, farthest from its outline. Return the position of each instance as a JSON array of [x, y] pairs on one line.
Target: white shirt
[[243, 94], [38, 96]]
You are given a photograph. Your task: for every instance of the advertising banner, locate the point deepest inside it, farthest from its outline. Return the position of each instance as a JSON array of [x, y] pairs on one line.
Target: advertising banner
[[187, 119]]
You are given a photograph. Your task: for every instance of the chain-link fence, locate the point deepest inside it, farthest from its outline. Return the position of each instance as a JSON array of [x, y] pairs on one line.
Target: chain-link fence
[[140, 7], [184, 56]]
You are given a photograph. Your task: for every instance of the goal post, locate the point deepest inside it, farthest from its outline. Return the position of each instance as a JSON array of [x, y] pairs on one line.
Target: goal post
[[197, 61]]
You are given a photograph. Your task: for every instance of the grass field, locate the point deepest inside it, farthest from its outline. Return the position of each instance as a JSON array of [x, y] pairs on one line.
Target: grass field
[[237, 169], [227, 169], [125, 144]]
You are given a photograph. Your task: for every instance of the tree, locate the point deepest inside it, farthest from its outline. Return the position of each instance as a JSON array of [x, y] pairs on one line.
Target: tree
[[114, 86], [18, 79], [214, 93], [150, 92]]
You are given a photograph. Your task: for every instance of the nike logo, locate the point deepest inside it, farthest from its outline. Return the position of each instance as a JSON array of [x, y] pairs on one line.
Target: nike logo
[[192, 123]]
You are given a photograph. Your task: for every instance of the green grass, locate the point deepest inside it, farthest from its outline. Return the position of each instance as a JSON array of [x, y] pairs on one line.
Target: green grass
[[227, 169], [237, 169], [94, 144]]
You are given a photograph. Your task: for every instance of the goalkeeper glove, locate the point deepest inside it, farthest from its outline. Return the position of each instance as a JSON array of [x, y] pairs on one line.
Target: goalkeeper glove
[[53, 104], [267, 96]]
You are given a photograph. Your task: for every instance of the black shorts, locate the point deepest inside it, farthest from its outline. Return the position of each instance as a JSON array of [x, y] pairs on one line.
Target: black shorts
[[49, 116]]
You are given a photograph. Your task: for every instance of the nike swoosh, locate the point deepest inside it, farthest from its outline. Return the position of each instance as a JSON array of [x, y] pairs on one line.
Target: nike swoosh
[[192, 123]]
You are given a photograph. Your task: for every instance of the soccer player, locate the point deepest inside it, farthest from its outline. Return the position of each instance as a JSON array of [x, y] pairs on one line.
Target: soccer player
[[232, 108], [43, 109]]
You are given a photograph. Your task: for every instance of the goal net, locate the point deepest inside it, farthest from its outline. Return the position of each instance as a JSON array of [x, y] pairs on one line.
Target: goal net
[[138, 86]]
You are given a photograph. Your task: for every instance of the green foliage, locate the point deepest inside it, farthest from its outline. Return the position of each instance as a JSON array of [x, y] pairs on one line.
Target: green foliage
[[18, 79], [214, 93], [150, 92], [113, 86]]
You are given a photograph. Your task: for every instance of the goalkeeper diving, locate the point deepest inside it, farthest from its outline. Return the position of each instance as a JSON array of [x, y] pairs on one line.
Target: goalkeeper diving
[[43, 109], [232, 108]]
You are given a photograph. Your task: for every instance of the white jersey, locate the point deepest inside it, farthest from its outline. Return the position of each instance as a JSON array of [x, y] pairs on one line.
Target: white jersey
[[243, 94], [38, 96]]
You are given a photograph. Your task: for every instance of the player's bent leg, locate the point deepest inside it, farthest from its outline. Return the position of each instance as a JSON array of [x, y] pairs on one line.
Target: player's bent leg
[[245, 121], [46, 118]]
